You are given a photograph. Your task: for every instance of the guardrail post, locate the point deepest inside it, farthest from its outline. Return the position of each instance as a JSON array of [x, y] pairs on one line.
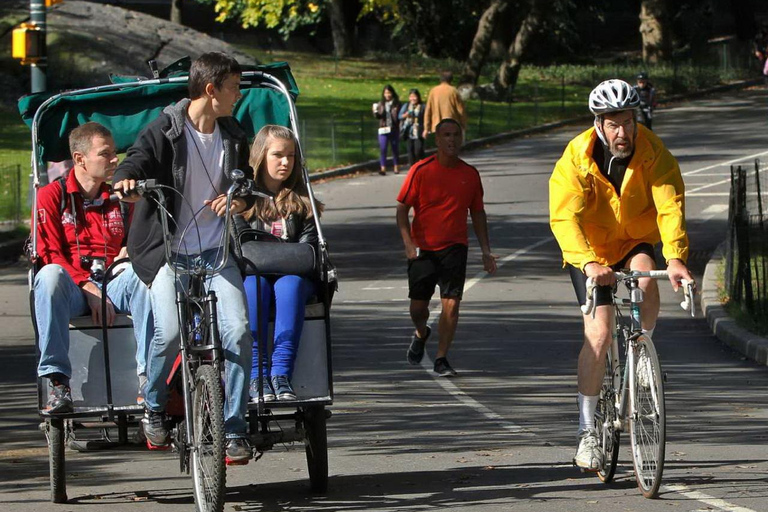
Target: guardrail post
[[333, 139], [362, 136], [562, 95]]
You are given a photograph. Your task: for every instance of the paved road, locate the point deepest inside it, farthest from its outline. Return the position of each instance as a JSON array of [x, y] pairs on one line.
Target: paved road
[[502, 434]]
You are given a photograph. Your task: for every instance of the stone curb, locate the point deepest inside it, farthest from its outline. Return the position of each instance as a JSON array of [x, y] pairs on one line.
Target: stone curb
[[723, 326], [373, 165]]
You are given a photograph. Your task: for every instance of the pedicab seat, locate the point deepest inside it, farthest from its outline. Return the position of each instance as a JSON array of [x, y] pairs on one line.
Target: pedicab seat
[[89, 363]]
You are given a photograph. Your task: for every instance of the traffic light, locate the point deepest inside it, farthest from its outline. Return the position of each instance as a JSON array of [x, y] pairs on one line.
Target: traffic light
[[49, 3], [28, 43]]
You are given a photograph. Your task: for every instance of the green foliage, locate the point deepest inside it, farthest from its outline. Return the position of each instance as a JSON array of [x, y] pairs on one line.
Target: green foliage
[[285, 16]]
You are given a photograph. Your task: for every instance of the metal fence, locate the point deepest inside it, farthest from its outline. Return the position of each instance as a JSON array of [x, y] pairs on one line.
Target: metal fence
[[746, 270], [12, 204], [346, 138]]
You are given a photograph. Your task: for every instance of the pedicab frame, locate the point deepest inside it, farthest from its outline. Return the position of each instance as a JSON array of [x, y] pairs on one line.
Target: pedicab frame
[[125, 107]]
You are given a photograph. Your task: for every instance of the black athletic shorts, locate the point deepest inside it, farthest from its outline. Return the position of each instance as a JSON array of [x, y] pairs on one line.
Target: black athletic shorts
[[446, 268], [605, 293]]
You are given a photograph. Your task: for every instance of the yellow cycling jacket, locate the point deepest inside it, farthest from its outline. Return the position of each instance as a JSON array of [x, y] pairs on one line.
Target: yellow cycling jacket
[[592, 223]]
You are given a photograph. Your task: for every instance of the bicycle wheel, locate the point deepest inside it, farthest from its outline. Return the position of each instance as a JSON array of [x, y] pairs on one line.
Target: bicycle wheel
[[316, 448], [648, 421], [605, 416], [54, 432], [208, 464]]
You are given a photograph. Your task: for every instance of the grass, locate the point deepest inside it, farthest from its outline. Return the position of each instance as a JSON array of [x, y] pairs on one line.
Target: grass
[[334, 105], [14, 165]]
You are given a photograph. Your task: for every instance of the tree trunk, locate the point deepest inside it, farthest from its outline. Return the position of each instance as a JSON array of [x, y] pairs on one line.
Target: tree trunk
[[176, 9], [655, 31], [506, 79], [481, 44], [342, 43]]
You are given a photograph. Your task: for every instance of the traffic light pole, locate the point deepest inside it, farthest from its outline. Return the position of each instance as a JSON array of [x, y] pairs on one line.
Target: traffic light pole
[[38, 69]]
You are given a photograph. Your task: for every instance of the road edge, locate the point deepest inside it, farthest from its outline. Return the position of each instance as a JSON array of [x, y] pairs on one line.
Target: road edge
[[724, 327]]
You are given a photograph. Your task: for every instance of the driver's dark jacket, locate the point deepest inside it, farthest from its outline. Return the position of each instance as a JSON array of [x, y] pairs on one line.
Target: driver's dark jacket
[[160, 152]]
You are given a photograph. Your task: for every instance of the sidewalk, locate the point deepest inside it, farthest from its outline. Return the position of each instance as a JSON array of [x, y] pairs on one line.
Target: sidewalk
[[724, 327]]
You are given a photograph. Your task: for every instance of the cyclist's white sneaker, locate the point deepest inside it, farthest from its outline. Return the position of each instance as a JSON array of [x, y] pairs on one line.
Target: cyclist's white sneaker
[[644, 372], [589, 456]]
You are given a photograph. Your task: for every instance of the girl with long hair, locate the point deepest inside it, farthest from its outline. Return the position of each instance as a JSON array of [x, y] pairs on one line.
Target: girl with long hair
[[287, 218]]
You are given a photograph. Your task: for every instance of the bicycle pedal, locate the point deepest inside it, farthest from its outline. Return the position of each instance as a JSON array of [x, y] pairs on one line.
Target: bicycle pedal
[[158, 448], [230, 462]]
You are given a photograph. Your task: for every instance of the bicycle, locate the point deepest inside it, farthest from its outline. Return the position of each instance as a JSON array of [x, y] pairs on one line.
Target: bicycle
[[197, 372], [633, 389]]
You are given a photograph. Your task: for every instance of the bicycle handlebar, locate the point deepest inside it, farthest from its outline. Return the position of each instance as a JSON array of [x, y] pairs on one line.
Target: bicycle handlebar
[[240, 187], [688, 287]]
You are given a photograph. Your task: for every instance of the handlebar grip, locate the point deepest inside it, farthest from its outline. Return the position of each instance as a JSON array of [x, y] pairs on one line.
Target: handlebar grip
[[589, 306], [688, 303]]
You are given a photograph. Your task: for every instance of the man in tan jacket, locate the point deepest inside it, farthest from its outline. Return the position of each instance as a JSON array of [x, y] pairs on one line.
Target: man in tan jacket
[[444, 102]]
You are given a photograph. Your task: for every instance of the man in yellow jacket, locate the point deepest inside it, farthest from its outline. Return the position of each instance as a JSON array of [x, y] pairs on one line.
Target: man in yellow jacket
[[614, 194]]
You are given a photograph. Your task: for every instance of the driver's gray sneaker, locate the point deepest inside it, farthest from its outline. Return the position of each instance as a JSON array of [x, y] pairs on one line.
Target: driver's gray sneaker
[[589, 456], [238, 451]]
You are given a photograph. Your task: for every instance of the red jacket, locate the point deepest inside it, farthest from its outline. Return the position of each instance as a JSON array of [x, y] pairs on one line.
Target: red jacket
[[100, 231]]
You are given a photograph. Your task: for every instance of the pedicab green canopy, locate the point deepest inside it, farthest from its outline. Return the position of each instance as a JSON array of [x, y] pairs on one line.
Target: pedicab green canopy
[[125, 110]]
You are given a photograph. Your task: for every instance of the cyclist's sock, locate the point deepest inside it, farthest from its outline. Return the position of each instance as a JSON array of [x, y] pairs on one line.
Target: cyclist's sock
[[649, 332], [587, 407]]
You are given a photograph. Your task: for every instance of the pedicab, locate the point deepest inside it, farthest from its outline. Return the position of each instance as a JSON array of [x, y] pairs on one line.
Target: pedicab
[[104, 382]]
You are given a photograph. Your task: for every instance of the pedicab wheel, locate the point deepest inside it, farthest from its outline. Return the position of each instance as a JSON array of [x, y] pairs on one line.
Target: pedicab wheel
[[55, 435], [208, 457], [648, 425], [316, 442]]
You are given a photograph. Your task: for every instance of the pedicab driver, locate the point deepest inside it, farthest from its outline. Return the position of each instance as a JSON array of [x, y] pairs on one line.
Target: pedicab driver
[[441, 189], [80, 232], [192, 147], [614, 194]]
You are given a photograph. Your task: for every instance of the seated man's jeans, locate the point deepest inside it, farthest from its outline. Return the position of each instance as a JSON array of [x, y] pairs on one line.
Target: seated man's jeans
[[58, 299], [233, 330]]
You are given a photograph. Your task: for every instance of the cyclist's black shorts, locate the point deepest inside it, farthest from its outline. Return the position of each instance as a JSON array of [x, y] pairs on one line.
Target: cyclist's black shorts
[[605, 293], [446, 268]]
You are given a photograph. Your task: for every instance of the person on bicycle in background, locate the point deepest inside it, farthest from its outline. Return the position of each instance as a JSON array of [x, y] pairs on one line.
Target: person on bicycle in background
[[614, 194], [192, 146], [647, 94], [80, 233]]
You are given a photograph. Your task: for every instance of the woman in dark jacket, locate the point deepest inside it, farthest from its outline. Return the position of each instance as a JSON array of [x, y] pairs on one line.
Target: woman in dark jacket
[[412, 124], [286, 219], [386, 111]]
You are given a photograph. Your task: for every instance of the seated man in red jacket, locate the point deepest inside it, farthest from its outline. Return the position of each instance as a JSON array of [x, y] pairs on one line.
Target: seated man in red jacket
[[80, 232]]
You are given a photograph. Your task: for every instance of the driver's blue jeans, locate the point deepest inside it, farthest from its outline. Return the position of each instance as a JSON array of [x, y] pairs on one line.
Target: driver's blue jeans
[[233, 330]]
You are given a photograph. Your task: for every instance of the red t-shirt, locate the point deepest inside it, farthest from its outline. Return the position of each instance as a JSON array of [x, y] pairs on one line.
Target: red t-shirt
[[440, 197]]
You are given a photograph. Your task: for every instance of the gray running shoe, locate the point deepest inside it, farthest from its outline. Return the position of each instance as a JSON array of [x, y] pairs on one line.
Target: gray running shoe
[[589, 456], [416, 350], [443, 368]]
